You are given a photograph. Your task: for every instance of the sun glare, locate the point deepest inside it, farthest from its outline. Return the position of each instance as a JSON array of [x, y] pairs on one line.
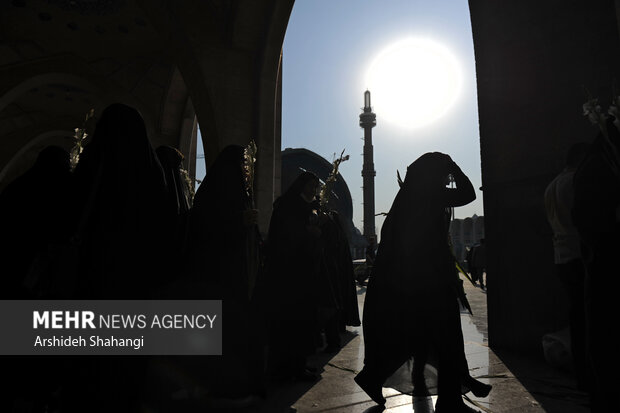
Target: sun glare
[[413, 82]]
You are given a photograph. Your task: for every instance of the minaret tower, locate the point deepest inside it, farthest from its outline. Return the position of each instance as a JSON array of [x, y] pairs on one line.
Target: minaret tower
[[368, 120]]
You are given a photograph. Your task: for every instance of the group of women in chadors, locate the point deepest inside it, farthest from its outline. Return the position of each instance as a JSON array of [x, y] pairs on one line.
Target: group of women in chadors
[[124, 224]]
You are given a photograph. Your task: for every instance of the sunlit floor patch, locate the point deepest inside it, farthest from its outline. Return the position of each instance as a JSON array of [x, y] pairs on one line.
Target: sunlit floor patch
[[336, 392]]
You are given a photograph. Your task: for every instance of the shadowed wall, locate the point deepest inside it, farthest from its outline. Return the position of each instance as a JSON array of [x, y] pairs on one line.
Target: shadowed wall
[[532, 59]]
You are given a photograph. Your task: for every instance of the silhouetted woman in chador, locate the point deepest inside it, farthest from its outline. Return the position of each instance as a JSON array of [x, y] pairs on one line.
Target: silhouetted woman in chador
[[346, 291], [341, 279], [225, 254], [411, 308], [223, 221], [35, 212], [293, 273], [123, 191]]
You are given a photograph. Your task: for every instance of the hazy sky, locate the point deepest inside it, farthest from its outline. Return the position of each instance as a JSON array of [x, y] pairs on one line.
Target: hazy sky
[[328, 50]]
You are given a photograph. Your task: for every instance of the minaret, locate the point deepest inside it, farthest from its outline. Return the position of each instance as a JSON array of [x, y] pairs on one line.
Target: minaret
[[368, 120]]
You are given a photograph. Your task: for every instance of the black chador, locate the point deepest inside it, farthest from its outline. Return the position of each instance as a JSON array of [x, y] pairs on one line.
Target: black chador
[[122, 195], [37, 213], [411, 314], [224, 234], [225, 260], [122, 189], [340, 278], [293, 279], [35, 216]]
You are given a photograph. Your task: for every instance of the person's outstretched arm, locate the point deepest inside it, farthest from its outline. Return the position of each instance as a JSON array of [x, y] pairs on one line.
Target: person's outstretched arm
[[464, 192]]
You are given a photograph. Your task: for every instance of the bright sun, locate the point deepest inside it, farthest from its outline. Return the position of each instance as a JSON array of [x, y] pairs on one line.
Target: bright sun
[[413, 82]]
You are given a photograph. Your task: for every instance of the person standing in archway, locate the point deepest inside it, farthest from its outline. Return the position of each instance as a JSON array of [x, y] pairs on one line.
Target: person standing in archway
[[479, 259], [559, 197], [411, 305], [596, 215]]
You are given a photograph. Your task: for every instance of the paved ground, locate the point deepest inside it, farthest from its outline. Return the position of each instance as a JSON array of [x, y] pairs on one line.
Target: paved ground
[[519, 384], [528, 386]]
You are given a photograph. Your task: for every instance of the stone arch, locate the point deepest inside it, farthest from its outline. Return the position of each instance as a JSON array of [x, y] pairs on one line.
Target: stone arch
[[178, 121], [11, 93], [21, 144], [167, 19], [74, 72], [100, 92], [269, 101]]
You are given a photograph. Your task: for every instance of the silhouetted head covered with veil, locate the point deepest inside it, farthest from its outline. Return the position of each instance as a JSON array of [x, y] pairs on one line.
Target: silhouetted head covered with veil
[[121, 148], [297, 187], [53, 159], [223, 189], [291, 215]]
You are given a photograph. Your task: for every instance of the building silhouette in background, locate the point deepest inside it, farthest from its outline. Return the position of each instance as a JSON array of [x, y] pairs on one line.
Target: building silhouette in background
[[465, 233]]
